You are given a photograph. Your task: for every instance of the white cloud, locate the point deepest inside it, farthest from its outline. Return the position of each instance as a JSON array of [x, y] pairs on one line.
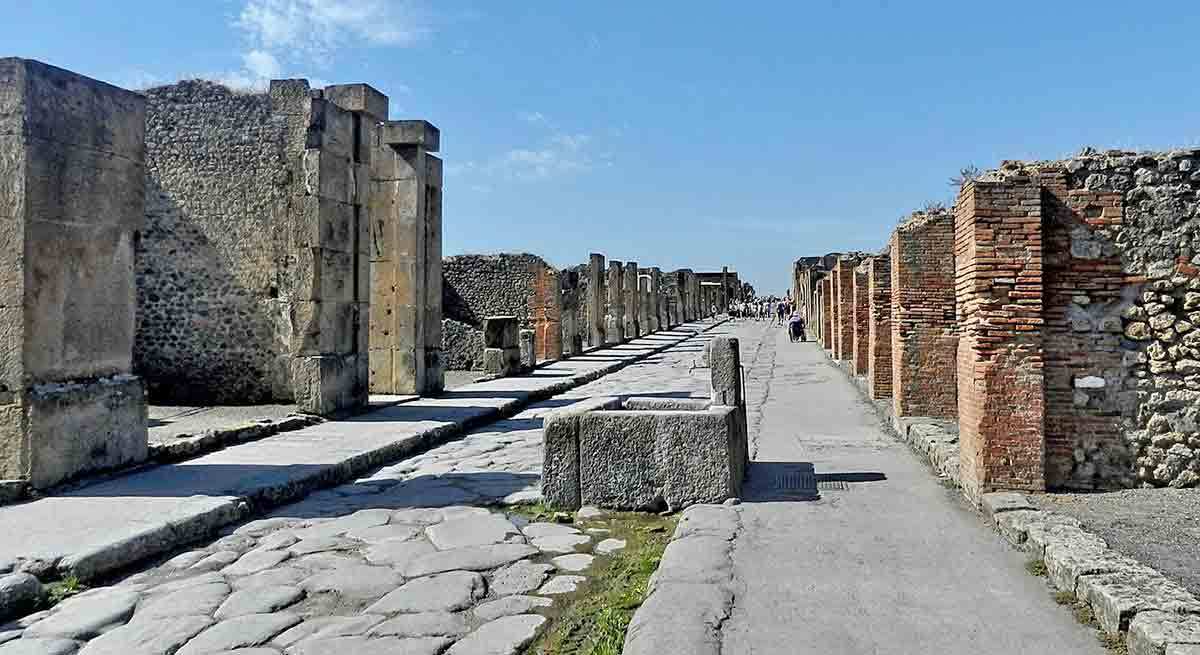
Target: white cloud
[[295, 37]]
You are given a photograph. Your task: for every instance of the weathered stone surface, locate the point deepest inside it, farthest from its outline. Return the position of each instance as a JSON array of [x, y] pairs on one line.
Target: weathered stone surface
[[195, 600], [568, 543], [561, 584], [471, 558], [240, 632], [538, 530], [519, 577], [573, 563], [260, 600], [1116, 597], [367, 518], [679, 618], [448, 592], [256, 561], [86, 616], [284, 575], [471, 531], [1152, 632], [998, 502], [148, 637], [1066, 561], [504, 636], [39, 647], [610, 546], [216, 561], [589, 513], [356, 581], [509, 606], [371, 646], [382, 533], [328, 627], [321, 545], [708, 520], [398, 553], [424, 624], [694, 560], [19, 592]]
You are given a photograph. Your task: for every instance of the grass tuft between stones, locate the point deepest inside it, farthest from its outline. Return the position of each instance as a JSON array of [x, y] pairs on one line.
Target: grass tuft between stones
[[593, 620], [1036, 567], [57, 592]]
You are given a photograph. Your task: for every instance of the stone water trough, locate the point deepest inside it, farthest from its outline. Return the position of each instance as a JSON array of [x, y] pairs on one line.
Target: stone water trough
[[651, 453]]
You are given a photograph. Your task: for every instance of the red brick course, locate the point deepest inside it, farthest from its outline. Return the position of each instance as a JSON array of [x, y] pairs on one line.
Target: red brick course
[[826, 284], [924, 333], [879, 341], [860, 307], [843, 303], [999, 294]]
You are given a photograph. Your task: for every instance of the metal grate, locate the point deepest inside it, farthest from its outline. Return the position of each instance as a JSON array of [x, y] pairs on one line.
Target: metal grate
[[796, 481], [833, 485]]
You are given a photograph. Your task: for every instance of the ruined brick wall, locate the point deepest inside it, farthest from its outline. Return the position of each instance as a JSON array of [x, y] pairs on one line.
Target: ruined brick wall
[[998, 253], [251, 268], [924, 331], [827, 313], [1122, 354], [879, 337], [475, 287], [860, 318]]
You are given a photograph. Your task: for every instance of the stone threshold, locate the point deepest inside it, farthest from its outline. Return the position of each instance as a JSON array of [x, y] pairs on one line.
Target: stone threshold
[[102, 528], [1156, 615]]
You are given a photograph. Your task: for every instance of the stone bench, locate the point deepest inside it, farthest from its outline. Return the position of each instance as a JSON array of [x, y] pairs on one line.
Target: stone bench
[[651, 453]]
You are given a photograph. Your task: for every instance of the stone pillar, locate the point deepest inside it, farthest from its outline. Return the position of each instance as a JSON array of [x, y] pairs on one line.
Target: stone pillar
[[528, 346], [406, 264], [502, 345], [658, 305], [572, 338], [694, 295], [596, 316], [630, 287], [999, 298], [725, 365], [724, 289], [859, 321], [644, 324], [924, 326], [72, 199], [615, 330], [879, 349]]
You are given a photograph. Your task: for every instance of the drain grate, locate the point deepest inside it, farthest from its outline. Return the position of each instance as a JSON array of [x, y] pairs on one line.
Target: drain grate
[[833, 485], [803, 482]]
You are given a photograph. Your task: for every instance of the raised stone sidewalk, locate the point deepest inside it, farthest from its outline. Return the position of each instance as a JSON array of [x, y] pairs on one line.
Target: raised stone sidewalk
[[109, 525]]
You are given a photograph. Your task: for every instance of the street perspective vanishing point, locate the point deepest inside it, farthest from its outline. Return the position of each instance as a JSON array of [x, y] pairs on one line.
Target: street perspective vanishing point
[[275, 382]]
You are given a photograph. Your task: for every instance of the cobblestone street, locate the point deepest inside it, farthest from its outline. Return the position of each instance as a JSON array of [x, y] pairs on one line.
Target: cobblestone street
[[418, 557]]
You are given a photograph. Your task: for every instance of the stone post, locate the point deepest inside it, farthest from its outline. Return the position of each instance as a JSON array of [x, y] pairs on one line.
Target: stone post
[[724, 289], [630, 286], [406, 263], [72, 198], [657, 304], [644, 305], [528, 346], [615, 330], [502, 345], [596, 316], [572, 340]]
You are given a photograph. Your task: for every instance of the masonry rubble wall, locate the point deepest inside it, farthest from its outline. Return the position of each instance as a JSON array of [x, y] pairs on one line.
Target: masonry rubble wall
[[924, 327], [478, 286], [72, 192], [252, 268]]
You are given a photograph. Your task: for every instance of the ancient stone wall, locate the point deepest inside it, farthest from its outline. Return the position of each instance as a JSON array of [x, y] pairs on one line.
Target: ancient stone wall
[[71, 203], [478, 286], [827, 306], [924, 329], [252, 267], [879, 338]]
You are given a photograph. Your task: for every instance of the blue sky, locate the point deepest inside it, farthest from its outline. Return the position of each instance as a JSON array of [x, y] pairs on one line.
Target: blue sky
[[683, 133]]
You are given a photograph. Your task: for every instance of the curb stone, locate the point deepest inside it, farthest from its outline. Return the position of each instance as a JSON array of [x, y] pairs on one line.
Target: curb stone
[[692, 593], [163, 537]]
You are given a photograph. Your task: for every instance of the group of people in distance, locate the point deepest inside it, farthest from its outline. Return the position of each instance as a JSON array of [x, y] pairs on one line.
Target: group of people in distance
[[779, 311]]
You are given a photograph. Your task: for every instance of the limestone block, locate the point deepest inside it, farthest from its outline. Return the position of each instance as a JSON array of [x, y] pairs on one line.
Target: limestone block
[[528, 347], [560, 460], [411, 133], [324, 384], [332, 130], [80, 427], [618, 467], [701, 455], [725, 368], [359, 97], [501, 361]]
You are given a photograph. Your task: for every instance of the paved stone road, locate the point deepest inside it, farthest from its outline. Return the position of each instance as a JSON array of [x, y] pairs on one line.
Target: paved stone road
[[402, 561], [894, 565]]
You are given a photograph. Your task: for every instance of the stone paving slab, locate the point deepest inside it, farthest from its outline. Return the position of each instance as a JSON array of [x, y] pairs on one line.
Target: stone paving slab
[[92, 530]]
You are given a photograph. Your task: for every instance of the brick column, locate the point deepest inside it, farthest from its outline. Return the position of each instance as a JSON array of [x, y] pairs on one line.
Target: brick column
[[998, 266], [827, 313], [860, 318], [843, 273], [406, 267], [924, 328], [596, 316], [879, 349]]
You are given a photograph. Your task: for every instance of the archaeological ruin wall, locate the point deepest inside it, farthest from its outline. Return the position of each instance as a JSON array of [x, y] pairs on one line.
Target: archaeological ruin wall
[[252, 269], [72, 163], [879, 335], [478, 286]]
